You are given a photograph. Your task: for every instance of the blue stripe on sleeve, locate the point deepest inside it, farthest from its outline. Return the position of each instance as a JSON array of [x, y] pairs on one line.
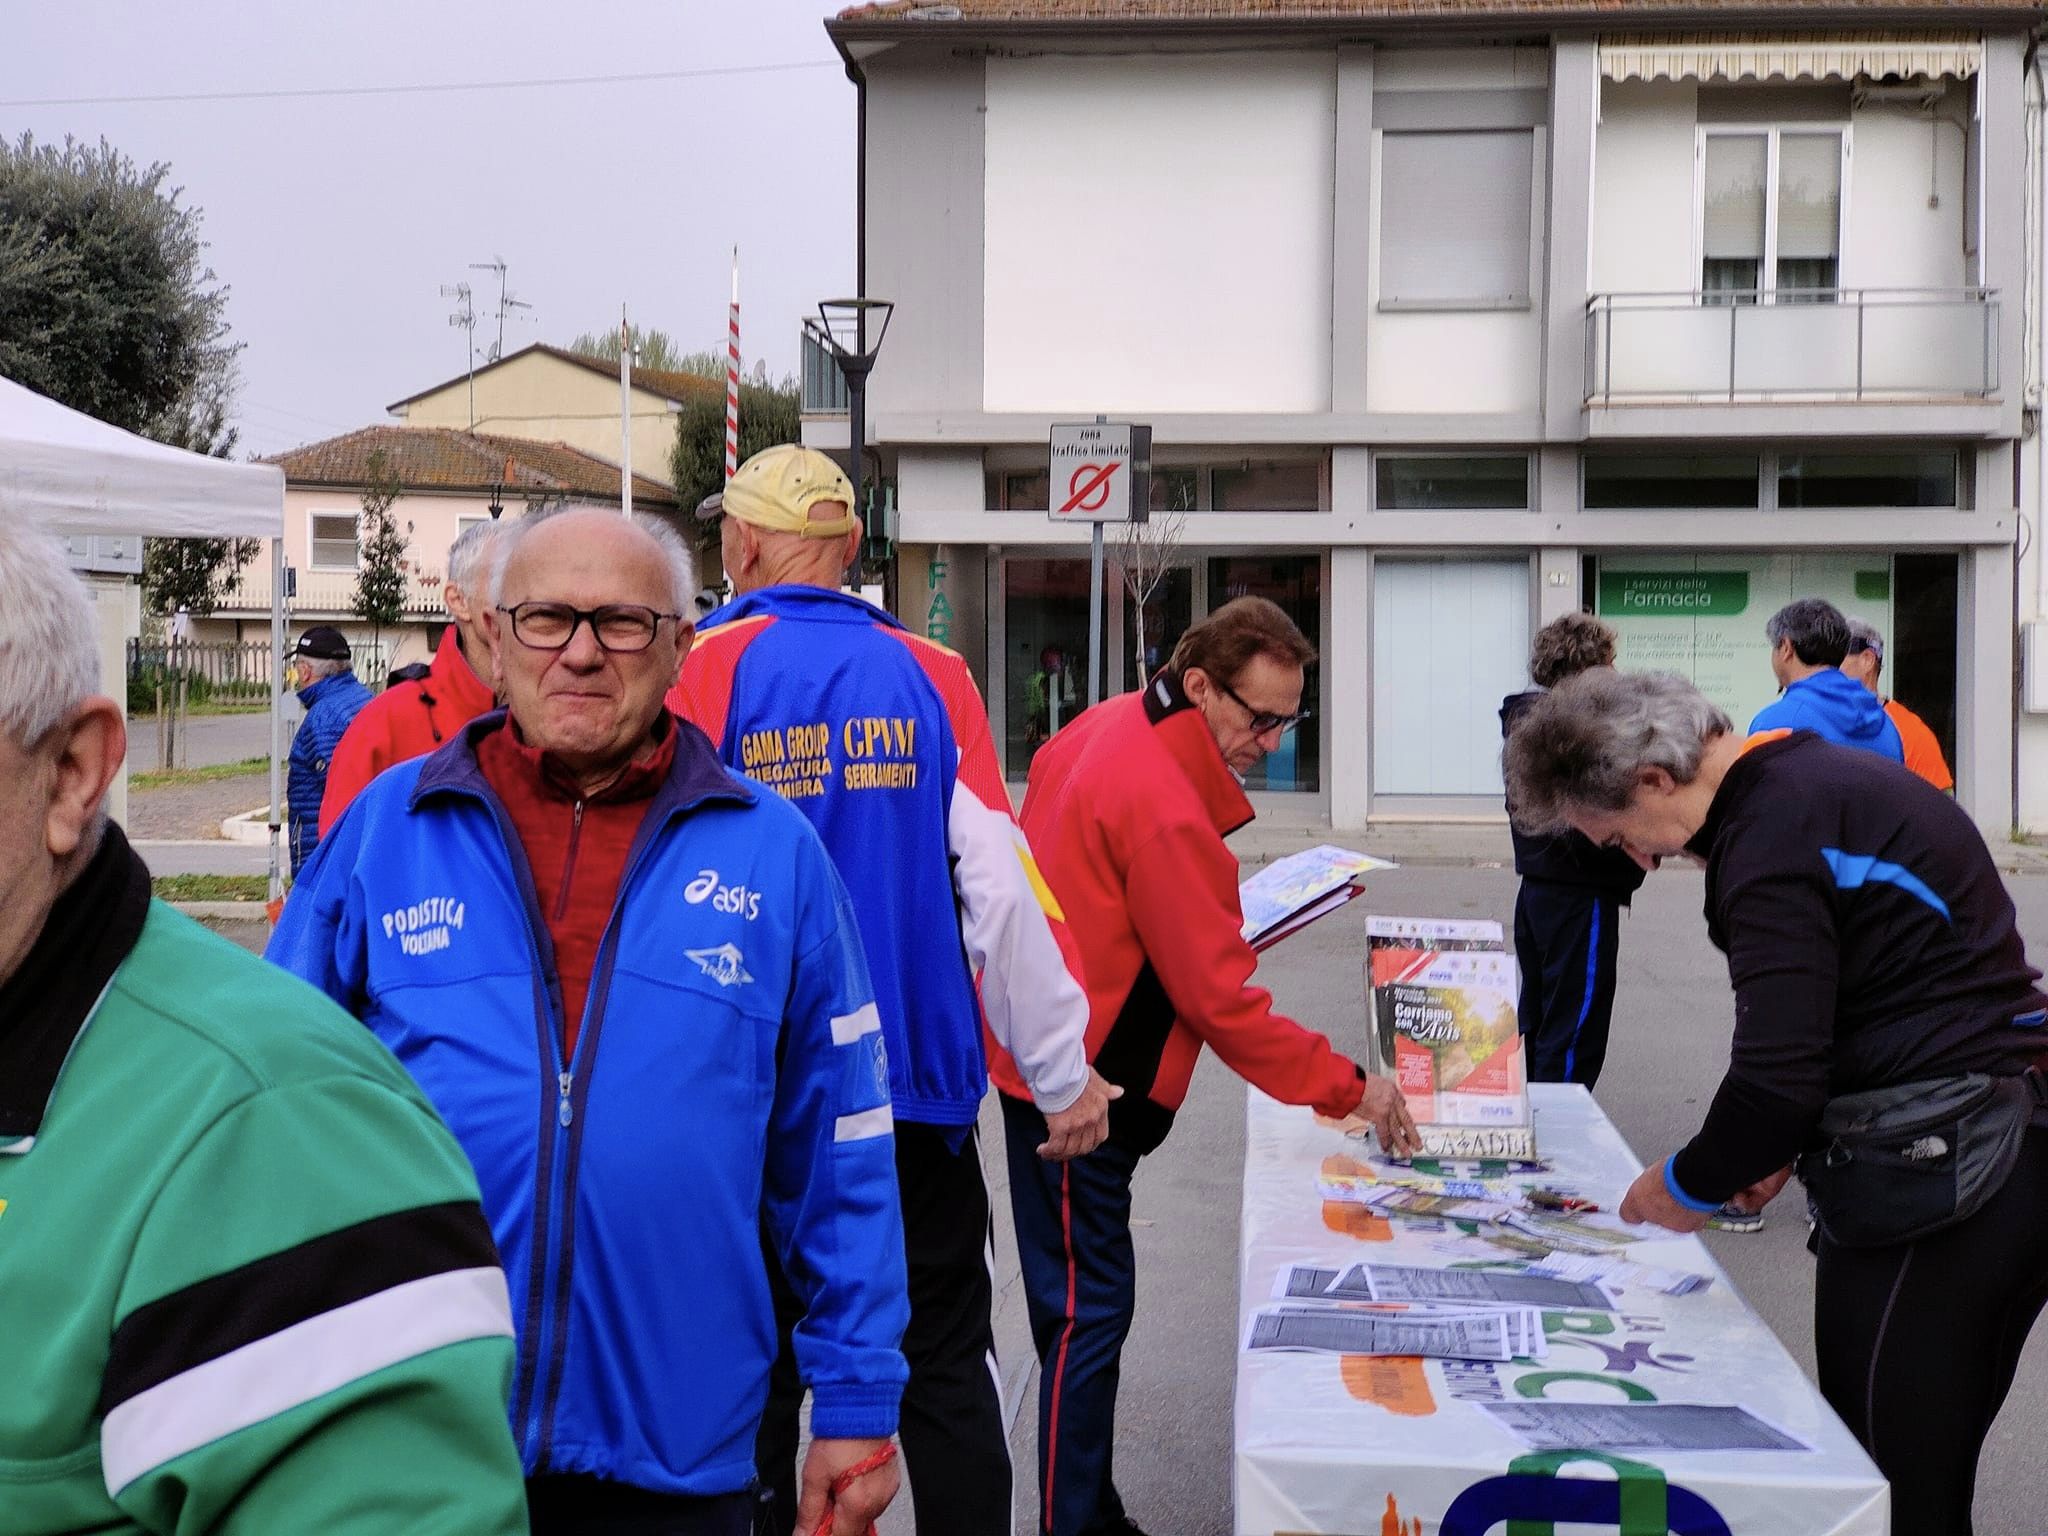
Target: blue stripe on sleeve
[[1855, 870], [1671, 1187]]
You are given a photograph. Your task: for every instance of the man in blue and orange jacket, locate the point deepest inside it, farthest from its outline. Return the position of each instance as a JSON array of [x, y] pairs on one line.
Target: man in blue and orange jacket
[[631, 982], [1128, 807], [879, 737]]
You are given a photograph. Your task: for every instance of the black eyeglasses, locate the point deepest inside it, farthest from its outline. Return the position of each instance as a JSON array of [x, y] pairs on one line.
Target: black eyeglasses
[[622, 628], [1261, 720]]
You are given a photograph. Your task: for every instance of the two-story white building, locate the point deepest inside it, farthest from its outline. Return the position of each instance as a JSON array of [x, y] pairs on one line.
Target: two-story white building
[[1448, 319]]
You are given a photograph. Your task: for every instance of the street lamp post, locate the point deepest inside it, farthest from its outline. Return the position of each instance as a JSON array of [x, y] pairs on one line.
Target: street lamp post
[[851, 332]]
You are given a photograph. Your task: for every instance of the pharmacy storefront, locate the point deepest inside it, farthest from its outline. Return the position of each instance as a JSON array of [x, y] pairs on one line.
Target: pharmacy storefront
[[1702, 616]]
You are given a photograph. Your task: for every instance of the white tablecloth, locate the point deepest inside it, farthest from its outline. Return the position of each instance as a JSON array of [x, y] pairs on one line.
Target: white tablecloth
[[1325, 1445]]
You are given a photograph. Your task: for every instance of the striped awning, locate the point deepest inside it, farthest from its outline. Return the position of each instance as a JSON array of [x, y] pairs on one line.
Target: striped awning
[[1734, 59]]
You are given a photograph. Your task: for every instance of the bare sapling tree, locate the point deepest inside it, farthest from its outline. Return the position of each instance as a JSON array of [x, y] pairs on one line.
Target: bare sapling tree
[[1145, 552]]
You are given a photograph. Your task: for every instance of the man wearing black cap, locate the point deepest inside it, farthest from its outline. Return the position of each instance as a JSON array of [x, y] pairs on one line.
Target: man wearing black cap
[[333, 696]]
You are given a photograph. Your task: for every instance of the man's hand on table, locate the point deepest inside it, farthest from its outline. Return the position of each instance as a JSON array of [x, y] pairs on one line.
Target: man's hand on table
[[1650, 1200], [1385, 1112]]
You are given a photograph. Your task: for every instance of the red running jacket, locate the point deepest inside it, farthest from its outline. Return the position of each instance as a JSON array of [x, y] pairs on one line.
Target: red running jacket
[[406, 721], [1127, 810]]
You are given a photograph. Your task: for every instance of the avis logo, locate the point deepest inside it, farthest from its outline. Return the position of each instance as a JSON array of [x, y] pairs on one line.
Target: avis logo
[[723, 965], [737, 900]]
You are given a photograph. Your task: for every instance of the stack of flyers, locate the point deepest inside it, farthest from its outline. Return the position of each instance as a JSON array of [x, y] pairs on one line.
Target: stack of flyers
[[1621, 1274], [1441, 1331], [1394, 1200], [1397, 1282], [1465, 1287], [1575, 1233]]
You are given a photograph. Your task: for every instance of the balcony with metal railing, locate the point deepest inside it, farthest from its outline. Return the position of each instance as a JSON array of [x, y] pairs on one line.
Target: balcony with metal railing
[[824, 386], [327, 594], [1823, 345]]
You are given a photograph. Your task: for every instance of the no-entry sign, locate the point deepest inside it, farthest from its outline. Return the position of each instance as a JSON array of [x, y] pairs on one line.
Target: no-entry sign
[[1097, 470]]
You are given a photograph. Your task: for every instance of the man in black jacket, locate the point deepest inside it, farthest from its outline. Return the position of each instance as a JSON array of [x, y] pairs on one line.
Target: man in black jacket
[[1568, 912], [1872, 944]]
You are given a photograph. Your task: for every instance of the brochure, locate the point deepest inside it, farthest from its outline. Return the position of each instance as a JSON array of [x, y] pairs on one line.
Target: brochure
[[1499, 1334], [1396, 1282], [1290, 893], [1444, 1029]]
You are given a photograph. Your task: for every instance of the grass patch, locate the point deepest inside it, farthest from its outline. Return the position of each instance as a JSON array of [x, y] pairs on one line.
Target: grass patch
[[210, 887], [195, 711], [165, 779]]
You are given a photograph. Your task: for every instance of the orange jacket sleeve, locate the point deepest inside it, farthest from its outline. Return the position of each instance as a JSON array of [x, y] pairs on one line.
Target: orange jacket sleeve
[[1182, 893]]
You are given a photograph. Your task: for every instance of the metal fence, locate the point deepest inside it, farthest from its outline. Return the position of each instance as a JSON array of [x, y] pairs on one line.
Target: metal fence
[[214, 671], [221, 671]]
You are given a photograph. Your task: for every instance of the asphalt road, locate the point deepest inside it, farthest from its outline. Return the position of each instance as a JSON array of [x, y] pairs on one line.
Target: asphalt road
[[1672, 1023], [207, 739]]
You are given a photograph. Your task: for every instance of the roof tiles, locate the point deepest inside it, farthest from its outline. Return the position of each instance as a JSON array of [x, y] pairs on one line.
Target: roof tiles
[[445, 459]]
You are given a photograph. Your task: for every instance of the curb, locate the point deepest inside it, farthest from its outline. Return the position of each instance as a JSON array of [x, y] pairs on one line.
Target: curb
[[224, 911], [251, 827]]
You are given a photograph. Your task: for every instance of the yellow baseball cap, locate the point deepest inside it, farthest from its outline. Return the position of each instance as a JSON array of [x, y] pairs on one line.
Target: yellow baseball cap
[[778, 486]]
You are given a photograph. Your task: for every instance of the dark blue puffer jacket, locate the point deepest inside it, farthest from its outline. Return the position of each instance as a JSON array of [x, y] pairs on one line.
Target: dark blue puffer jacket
[[330, 704]]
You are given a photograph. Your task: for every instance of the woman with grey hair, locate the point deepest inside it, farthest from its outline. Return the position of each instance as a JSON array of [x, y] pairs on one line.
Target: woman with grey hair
[[1888, 1037]]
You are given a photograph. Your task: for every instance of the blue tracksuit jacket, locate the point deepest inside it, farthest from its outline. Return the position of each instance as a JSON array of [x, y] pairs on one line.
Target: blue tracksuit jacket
[[330, 704], [729, 1062]]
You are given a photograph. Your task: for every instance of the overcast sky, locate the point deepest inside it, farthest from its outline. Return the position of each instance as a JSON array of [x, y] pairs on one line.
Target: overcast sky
[[335, 220]]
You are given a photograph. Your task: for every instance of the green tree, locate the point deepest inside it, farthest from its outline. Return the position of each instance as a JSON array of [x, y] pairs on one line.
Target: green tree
[[652, 348], [769, 414], [380, 554], [107, 306], [106, 301]]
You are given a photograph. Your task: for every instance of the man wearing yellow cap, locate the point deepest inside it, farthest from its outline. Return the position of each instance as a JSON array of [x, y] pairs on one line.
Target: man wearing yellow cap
[[881, 739]]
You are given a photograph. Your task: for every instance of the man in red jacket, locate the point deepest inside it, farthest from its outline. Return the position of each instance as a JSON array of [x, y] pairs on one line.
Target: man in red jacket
[[412, 719], [1127, 809]]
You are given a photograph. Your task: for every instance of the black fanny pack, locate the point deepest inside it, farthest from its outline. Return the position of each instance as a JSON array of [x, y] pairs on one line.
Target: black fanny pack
[[1899, 1163]]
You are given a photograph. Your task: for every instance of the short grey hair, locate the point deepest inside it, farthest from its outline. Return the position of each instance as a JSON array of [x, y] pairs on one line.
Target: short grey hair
[[314, 668], [49, 638], [1583, 745], [1865, 636], [468, 555], [682, 571]]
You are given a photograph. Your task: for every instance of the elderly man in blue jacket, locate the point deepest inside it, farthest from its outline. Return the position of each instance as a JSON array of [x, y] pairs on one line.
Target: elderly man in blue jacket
[[1809, 637], [333, 696], [632, 983]]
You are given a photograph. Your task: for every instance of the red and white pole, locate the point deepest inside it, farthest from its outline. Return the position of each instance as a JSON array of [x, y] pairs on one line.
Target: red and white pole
[[732, 374]]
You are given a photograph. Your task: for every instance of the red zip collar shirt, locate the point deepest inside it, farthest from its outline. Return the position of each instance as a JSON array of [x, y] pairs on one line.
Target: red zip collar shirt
[[576, 846], [1127, 810]]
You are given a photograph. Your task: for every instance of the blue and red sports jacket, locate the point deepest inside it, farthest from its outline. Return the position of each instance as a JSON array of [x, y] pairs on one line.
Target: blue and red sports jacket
[[880, 738]]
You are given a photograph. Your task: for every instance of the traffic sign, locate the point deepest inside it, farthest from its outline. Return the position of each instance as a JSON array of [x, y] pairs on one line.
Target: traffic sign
[[1098, 472]]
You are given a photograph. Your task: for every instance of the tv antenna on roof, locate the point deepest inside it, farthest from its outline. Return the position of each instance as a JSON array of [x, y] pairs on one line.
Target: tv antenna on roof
[[507, 302], [464, 319]]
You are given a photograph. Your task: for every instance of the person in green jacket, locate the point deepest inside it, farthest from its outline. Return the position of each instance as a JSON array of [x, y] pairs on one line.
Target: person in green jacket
[[246, 1288]]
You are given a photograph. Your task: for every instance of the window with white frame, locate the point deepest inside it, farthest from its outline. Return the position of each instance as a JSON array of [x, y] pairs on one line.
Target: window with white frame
[[334, 541], [1771, 214], [1454, 218]]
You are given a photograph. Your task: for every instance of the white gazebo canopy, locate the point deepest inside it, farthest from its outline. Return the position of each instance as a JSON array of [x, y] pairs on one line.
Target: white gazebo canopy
[[71, 473], [66, 470]]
